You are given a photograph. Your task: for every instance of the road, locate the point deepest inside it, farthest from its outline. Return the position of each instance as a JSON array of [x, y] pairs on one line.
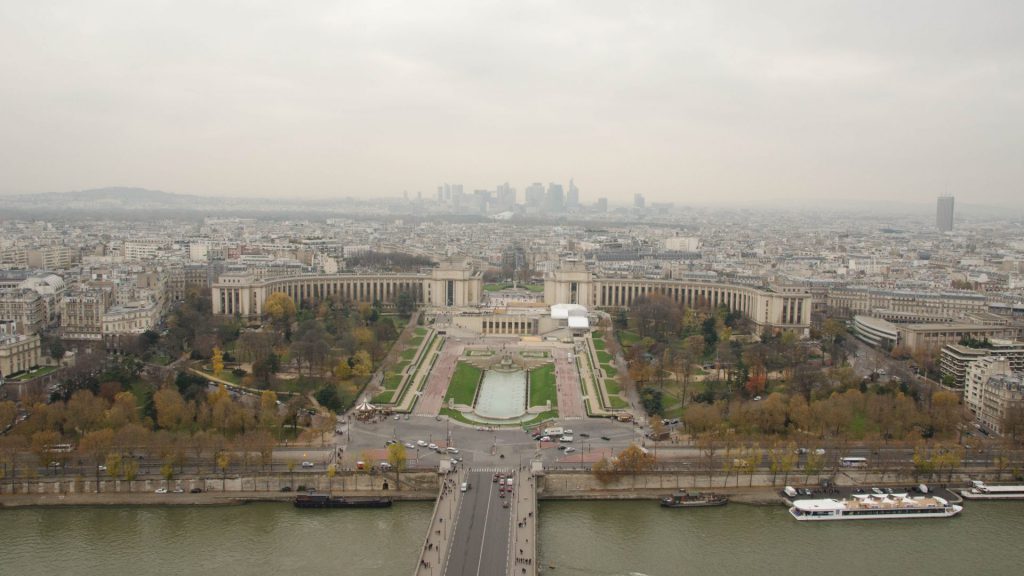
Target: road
[[480, 544]]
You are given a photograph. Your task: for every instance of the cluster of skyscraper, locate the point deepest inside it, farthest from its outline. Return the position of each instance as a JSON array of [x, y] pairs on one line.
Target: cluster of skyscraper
[[537, 199]]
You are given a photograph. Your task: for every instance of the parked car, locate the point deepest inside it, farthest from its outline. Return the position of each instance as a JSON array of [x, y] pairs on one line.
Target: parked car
[[545, 439], [432, 446], [161, 490], [421, 443], [308, 464], [197, 490], [410, 445]]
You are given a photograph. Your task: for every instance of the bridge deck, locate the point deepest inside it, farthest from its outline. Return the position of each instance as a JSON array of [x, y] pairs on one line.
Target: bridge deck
[[484, 531]]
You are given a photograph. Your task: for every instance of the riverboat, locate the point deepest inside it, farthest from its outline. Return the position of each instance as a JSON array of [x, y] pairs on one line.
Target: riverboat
[[981, 491], [684, 499], [874, 507], [325, 501]]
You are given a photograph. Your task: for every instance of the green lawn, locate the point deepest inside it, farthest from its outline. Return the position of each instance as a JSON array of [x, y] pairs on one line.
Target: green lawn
[[617, 402], [611, 386], [628, 338], [420, 332], [392, 382], [38, 372], [463, 385], [415, 341], [542, 386], [676, 412], [599, 344], [225, 375], [610, 370], [408, 354], [604, 357], [494, 287], [383, 397]]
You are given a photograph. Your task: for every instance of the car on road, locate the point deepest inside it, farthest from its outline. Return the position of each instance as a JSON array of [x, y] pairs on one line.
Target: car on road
[[179, 490], [421, 443], [161, 490], [453, 450], [101, 468], [197, 490], [877, 491], [584, 435], [545, 438], [569, 449], [432, 446], [605, 438], [390, 442], [308, 464], [410, 445], [397, 417], [464, 487], [565, 438]]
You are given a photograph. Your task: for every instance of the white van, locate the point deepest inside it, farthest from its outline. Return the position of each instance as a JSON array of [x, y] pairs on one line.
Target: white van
[[555, 431]]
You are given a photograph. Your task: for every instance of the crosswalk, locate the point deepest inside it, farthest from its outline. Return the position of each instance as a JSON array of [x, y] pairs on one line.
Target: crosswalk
[[491, 469]]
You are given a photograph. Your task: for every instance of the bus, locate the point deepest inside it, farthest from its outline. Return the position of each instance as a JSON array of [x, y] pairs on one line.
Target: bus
[[853, 461]]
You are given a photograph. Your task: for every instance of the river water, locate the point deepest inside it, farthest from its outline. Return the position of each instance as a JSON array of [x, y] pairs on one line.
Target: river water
[[577, 538]]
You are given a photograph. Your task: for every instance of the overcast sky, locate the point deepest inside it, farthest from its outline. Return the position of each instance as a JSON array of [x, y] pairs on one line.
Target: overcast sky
[[686, 101]]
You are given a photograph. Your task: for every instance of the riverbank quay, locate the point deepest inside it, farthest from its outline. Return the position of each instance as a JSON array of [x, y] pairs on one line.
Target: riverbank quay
[[758, 488], [418, 485], [186, 499], [425, 486]]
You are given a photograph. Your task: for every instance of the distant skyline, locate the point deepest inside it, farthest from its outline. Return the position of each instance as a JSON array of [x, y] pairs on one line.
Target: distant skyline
[[702, 103]]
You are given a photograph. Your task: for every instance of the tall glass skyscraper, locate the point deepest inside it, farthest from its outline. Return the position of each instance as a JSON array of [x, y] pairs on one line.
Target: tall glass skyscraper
[[944, 214]]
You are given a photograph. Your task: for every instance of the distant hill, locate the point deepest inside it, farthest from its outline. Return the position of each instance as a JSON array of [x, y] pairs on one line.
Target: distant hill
[[117, 197]]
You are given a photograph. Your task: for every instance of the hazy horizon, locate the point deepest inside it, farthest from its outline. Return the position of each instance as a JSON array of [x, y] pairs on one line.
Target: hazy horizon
[[710, 103]]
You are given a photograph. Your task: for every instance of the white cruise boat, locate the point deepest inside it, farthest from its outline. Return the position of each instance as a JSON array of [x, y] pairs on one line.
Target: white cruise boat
[[981, 491], [874, 507]]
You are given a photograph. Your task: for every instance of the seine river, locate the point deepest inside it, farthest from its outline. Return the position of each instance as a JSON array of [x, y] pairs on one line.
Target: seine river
[[577, 538]]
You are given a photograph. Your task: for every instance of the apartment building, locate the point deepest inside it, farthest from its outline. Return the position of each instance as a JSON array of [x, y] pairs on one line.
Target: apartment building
[[992, 389], [955, 359], [18, 352]]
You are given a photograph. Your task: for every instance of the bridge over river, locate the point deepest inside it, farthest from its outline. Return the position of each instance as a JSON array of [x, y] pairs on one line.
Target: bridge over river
[[483, 531]]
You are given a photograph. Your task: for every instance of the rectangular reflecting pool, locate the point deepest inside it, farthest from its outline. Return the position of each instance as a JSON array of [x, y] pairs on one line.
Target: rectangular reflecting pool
[[502, 394]]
